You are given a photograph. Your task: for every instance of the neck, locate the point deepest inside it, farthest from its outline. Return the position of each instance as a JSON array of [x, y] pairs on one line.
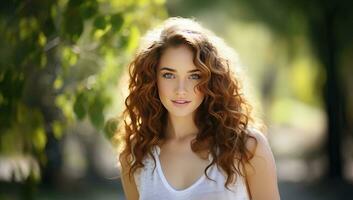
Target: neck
[[180, 128]]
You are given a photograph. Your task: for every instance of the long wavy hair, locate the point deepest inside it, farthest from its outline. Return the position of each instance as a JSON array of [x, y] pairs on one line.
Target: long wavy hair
[[223, 118]]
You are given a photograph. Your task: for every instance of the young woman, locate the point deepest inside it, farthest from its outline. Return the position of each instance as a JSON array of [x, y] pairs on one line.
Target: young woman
[[188, 128]]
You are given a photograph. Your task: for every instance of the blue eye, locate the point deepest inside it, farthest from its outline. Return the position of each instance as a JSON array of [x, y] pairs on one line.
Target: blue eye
[[195, 76], [168, 75]]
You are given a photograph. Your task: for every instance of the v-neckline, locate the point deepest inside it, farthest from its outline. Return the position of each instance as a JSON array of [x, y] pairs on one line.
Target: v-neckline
[[166, 182]]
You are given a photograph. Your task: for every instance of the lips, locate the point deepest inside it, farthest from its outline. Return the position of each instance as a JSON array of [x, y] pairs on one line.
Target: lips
[[181, 102]]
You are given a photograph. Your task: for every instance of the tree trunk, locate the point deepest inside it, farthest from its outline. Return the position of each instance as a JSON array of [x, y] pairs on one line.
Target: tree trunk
[[325, 44]]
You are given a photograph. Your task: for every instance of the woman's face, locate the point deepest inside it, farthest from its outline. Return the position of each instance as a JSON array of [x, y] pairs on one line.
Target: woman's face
[[177, 77]]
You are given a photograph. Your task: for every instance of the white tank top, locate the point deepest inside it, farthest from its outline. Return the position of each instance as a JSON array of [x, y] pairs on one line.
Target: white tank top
[[152, 184]]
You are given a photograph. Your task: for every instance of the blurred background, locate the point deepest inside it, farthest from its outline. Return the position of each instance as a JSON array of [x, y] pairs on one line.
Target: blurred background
[[63, 77]]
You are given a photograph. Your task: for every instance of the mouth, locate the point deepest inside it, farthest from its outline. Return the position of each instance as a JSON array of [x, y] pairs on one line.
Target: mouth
[[180, 102]]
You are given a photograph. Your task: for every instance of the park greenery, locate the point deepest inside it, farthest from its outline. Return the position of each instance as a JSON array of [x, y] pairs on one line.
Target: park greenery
[[60, 63]]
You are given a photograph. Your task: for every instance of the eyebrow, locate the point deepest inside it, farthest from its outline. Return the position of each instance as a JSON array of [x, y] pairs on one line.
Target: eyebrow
[[173, 70]]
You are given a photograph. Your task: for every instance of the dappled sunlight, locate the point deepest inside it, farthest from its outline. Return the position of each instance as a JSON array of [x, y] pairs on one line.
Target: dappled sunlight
[[64, 78], [18, 168]]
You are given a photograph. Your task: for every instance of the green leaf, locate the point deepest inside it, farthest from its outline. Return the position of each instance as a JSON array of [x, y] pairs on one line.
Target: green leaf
[[133, 38], [73, 24], [48, 27], [117, 21], [110, 127], [39, 139], [100, 22], [80, 106], [96, 116], [89, 9], [75, 3], [123, 41], [58, 127]]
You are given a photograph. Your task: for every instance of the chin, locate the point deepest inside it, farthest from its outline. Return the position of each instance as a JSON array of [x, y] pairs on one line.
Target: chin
[[179, 112]]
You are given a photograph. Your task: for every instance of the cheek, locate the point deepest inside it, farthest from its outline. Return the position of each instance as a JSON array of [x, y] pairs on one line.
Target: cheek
[[163, 88]]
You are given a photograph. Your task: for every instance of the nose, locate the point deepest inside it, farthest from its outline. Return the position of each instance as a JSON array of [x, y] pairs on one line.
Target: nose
[[181, 87]]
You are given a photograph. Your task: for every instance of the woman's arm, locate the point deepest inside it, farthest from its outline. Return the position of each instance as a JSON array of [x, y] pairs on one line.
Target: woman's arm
[[261, 171], [129, 184]]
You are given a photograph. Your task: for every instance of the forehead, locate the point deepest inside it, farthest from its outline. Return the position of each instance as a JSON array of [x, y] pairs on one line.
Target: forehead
[[179, 58]]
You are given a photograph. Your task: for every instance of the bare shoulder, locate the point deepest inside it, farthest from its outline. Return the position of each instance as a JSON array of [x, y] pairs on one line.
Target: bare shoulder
[[258, 143], [260, 148], [261, 169], [128, 182]]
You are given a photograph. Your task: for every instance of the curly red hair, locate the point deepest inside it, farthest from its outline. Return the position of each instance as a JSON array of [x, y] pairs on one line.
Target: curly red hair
[[222, 118]]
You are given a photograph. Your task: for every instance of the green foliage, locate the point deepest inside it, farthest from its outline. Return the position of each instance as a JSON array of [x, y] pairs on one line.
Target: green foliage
[[60, 61], [110, 127]]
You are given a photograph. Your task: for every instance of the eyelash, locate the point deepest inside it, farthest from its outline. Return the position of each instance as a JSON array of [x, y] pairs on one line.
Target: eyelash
[[197, 75], [167, 76]]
